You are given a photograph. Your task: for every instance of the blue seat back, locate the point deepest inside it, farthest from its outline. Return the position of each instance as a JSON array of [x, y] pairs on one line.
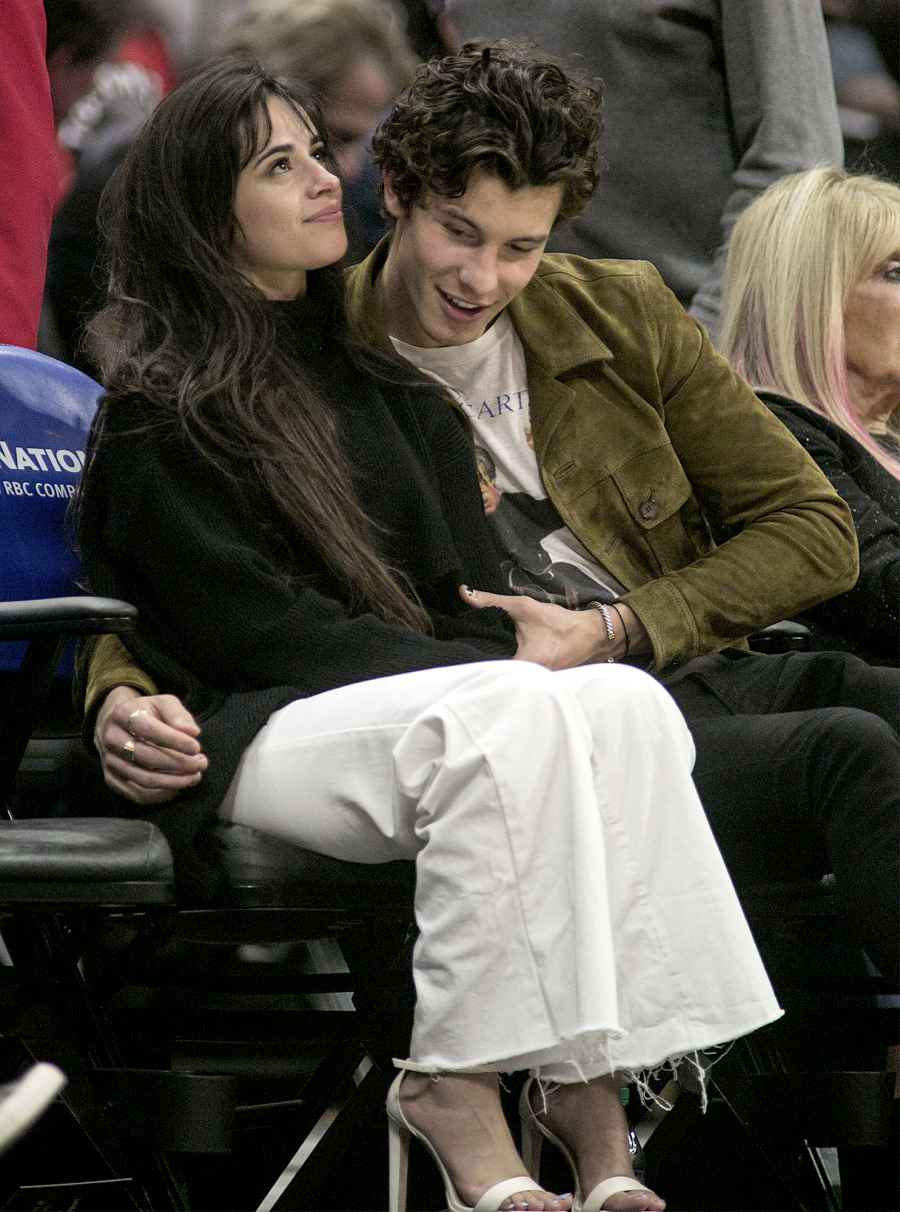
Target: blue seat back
[[46, 409]]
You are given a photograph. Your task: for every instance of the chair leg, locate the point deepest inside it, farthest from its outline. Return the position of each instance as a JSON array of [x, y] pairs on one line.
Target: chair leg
[[310, 1171], [61, 1021]]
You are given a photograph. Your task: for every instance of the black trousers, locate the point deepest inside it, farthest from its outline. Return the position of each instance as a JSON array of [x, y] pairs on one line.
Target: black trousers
[[798, 768]]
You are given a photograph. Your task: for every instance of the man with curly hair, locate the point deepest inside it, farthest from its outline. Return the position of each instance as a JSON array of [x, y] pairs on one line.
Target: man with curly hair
[[608, 415]]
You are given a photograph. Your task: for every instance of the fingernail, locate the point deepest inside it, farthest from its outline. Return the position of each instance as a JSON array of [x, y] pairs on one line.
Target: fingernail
[[470, 593]]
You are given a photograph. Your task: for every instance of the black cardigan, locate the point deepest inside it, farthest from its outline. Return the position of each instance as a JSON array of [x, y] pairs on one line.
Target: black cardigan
[[239, 618], [866, 620]]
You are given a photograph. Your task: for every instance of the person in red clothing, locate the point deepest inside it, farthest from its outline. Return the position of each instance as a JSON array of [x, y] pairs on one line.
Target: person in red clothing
[[28, 183], [48, 49]]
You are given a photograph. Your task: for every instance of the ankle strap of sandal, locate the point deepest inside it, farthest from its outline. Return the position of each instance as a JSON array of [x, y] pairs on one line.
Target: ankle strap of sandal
[[411, 1067]]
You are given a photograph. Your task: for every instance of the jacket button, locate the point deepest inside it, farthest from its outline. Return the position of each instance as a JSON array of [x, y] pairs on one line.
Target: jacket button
[[648, 510]]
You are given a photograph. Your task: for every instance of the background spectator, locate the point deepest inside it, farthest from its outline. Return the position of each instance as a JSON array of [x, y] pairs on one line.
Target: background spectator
[[80, 33], [96, 132], [28, 180], [863, 40], [353, 54], [196, 25], [48, 52], [812, 312], [428, 28]]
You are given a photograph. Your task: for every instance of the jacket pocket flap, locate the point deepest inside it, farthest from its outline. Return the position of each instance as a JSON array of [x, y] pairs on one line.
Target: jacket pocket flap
[[653, 485]]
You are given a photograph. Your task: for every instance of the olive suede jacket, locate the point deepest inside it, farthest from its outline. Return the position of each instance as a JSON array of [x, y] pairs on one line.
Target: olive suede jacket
[[643, 432]]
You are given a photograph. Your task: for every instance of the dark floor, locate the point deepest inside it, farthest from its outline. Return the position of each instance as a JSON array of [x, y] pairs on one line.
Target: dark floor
[[729, 1160], [698, 1162]]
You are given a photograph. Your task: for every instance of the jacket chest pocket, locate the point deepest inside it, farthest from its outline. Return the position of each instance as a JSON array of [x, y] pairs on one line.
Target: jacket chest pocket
[[659, 509]]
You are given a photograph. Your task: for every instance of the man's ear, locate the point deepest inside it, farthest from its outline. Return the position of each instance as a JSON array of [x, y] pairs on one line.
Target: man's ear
[[392, 203]]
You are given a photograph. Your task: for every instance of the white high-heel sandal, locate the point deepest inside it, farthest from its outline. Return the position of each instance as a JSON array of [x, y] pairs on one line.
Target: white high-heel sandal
[[534, 1132], [399, 1132]]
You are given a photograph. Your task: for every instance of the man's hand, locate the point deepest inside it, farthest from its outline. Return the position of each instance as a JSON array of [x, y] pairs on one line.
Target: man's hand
[[549, 635], [148, 745]]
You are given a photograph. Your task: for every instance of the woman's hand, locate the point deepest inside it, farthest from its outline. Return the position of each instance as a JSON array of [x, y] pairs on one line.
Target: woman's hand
[[148, 745], [552, 636]]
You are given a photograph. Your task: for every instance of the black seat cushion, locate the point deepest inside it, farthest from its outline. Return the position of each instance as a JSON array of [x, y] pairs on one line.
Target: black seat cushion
[[255, 861], [86, 849]]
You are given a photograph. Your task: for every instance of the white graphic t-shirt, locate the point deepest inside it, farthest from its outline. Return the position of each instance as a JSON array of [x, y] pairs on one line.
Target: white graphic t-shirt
[[542, 557]]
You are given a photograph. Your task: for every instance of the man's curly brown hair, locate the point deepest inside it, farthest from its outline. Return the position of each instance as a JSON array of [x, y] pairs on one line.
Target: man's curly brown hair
[[502, 106]]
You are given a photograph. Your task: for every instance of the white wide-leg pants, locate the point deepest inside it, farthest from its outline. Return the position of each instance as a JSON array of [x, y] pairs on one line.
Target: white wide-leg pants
[[575, 915]]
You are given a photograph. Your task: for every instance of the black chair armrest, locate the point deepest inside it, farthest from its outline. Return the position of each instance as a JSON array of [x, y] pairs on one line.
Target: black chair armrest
[[71, 616], [48, 625], [785, 636]]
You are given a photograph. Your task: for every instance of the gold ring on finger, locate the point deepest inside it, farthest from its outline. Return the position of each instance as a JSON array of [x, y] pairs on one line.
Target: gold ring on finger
[[128, 752]]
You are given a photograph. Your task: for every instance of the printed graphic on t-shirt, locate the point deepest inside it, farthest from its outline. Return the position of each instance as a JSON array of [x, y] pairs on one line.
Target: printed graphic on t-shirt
[[542, 558]]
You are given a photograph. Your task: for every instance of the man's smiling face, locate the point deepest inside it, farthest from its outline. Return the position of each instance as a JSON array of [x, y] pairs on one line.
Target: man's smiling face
[[455, 263]]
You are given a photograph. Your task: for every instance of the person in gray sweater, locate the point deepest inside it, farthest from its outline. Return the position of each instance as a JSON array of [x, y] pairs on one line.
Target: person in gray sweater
[[707, 103]]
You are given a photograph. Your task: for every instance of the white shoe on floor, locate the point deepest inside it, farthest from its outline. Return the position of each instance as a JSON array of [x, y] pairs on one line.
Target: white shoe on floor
[[26, 1099]]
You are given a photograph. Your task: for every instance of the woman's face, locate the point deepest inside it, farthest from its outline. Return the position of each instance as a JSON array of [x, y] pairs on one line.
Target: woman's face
[[872, 331], [287, 209]]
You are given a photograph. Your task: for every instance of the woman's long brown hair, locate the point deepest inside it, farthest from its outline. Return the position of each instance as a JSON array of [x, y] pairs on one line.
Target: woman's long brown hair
[[185, 331]]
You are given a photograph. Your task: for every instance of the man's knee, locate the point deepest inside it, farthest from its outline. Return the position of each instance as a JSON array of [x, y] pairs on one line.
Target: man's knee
[[857, 731], [843, 680], [853, 765]]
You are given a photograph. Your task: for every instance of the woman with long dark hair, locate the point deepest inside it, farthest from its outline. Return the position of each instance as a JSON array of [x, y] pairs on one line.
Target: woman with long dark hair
[[294, 515]]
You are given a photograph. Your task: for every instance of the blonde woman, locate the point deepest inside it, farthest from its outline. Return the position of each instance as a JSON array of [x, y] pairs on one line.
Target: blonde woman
[[812, 319]]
